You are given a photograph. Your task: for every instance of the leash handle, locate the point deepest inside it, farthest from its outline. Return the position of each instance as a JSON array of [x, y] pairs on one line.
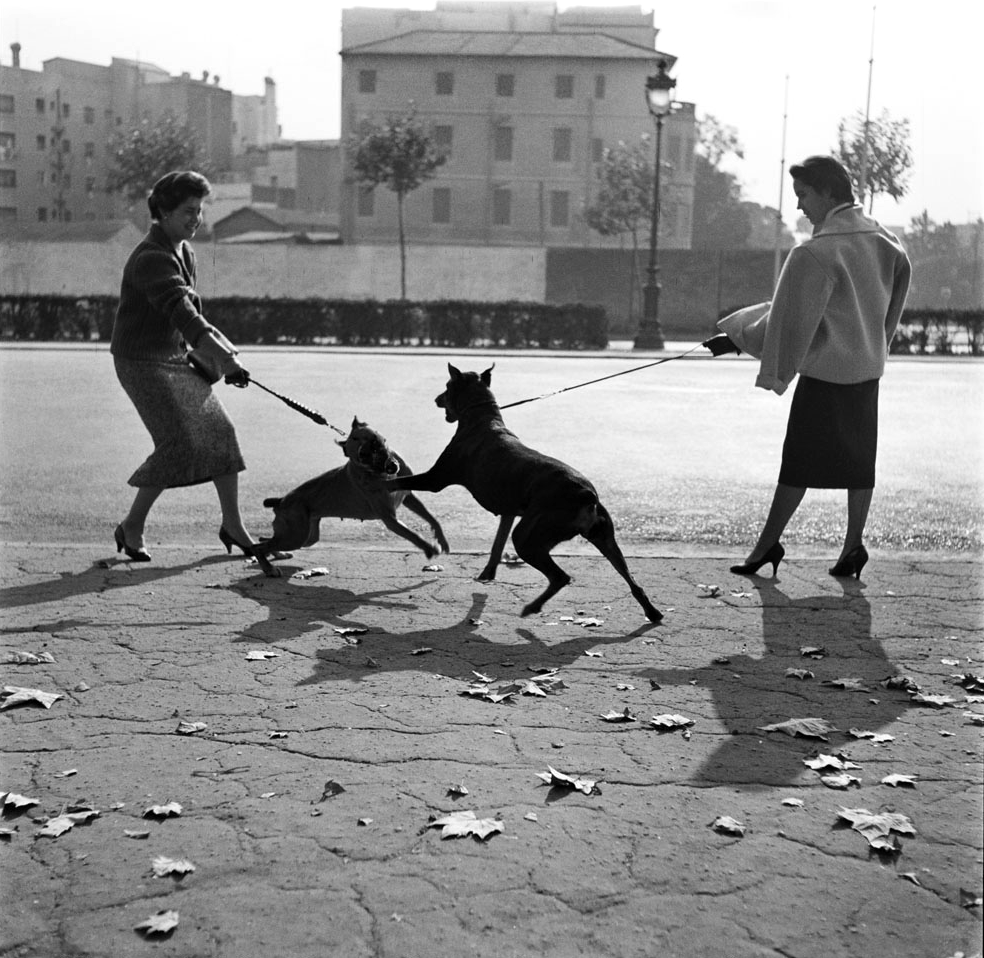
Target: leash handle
[[303, 410], [591, 382]]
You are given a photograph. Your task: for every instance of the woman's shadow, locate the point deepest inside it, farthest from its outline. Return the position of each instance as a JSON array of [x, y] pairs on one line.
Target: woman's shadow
[[753, 691]]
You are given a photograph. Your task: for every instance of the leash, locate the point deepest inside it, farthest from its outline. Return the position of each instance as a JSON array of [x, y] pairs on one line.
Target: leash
[[591, 382], [303, 410]]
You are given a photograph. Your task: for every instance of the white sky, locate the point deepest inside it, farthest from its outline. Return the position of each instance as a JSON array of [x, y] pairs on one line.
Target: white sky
[[733, 60]]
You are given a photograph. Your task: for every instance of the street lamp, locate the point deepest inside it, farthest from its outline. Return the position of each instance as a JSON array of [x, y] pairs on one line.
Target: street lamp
[[650, 335]]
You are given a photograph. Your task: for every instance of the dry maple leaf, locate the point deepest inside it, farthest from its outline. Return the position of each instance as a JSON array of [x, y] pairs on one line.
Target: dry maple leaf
[[311, 573], [841, 780], [801, 674], [62, 823], [875, 737], [624, 716], [464, 823], [876, 828], [16, 657], [190, 728], [849, 685], [933, 701], [21, 696], [160, 924], [668, 720], [708, 591], [805, 727], [829, 761], [900, 682], [813, 651], [793, 802], [728, 825], [168, 810], [259, 655], [433, 568], [13, 800], [553, 777], [906, 781], [171, 866]]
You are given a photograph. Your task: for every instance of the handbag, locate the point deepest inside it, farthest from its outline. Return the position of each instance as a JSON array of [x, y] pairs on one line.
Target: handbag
[[209, 362]]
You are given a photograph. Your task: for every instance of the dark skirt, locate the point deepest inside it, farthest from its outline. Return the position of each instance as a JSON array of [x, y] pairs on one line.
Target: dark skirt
[[194, 439], [831, 436]]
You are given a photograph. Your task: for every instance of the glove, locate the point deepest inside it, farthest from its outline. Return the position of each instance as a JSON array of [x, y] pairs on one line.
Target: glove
[[238, 377], [721, 344]]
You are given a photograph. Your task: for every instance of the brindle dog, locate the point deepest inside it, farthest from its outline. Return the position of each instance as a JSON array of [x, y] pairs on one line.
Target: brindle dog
[[554, 501], [357, 490]]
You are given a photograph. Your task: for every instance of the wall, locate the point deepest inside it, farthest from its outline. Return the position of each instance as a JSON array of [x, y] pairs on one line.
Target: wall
[[289, 270]]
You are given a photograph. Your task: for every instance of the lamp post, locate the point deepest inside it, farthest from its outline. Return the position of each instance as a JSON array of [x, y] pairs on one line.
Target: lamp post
[[650, 335]]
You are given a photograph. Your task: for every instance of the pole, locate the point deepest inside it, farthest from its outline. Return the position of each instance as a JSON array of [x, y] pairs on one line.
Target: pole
[[650, 334], [863, 179], [782, 173]]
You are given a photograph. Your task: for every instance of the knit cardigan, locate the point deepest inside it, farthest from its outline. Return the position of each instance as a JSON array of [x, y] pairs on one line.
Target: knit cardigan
[[159, 313], [836, 306]]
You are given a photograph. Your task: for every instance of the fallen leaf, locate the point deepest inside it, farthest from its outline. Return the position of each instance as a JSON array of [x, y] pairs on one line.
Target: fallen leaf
[[668, 720], [484, 692], [589, 622], [62, 823], [273, 733], [421, 651], [433, 568], [624, 688], [168, 810], [553, 777], [728, 825], [876, 828], [160, 924], [6, 834], [350, 630], [331, 789], [806, 727], [876, 738], [170, 866], [900, 682], [974, 718], [268, 794], [721, 660], [13, 800], [949, 661], [364, 821], [708, 591], [840, 781], [793, 802], [813, 651], [68, 773], [801, 674], [907, 781], [970, 681], [592, 654], [81, 687], [136, 833], [259, 655], [21, 696], [829, 761], [311, 573], [911, 876], [624, 716], [738, 594], [16, 657], [970, 899], [849, 685], [461, 824], [457, 791], [933, 701], [190, 728]]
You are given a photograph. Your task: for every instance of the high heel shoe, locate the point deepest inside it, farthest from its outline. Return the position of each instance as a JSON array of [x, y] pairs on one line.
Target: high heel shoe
[[774, 555], [134, 555], [229, 542], [851, 564]]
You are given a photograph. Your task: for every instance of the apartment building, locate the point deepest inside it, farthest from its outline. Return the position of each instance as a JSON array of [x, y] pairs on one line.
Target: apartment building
[[57, 127], [523, 99]]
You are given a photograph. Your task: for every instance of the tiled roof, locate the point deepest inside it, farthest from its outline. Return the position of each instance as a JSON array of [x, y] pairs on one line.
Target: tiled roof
[[470, 43]]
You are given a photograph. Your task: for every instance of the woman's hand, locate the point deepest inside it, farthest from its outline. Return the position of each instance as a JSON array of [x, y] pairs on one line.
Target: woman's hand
[[721, 344], [238, 377]]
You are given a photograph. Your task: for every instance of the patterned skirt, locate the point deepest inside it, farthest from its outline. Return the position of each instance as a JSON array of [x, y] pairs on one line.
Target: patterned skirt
[[194, 438], [831, 436]]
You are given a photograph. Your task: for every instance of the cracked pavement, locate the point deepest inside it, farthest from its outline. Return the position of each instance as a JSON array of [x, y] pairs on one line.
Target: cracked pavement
[[636, 871]]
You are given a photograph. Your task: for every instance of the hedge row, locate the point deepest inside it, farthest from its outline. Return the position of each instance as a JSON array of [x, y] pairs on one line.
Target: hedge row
[[940, 331], [451, 323]]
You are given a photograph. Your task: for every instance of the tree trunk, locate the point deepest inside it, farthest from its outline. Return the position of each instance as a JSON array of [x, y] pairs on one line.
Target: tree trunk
[[403, 247]]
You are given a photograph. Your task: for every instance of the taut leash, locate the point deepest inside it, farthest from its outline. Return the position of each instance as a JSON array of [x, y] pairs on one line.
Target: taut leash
[[590, 382], [303, 410]]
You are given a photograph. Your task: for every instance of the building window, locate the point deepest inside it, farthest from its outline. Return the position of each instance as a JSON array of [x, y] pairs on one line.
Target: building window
[[442, 204], [503, 146], [6, 103], [564, 86], [90, 150], [65, 110], [444, 83], [562, 144], [7, 142], [501, 206], [8, 212], [66, 146], [367, 81], [39, 104], [42, 214], [443, 136], [367, 201], [597, 149], [505, 84], [560, 206], [88, 114], [90, 185], [8, 178], [600, 86], [66, 181], [42, 142]]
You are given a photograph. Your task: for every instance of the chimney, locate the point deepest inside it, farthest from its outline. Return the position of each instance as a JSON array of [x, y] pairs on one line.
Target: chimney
[[15, 49]]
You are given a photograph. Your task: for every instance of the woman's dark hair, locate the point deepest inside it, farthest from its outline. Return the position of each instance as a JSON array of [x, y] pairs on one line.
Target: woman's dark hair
[[172, 189], [825, 175]]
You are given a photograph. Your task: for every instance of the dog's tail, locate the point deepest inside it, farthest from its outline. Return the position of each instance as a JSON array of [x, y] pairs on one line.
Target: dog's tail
[[272, 503]]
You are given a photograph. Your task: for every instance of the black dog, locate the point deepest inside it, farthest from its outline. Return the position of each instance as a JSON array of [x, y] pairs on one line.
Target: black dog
[[357, 490], [509, 479]]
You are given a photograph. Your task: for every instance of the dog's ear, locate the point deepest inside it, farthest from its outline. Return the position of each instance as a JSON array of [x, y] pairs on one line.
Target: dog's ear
[[454, 373], [356, 423], [487, 375]]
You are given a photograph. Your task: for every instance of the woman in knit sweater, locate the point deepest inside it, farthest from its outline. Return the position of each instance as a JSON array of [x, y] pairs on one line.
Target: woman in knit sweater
[[158, 319], [834, 312]]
